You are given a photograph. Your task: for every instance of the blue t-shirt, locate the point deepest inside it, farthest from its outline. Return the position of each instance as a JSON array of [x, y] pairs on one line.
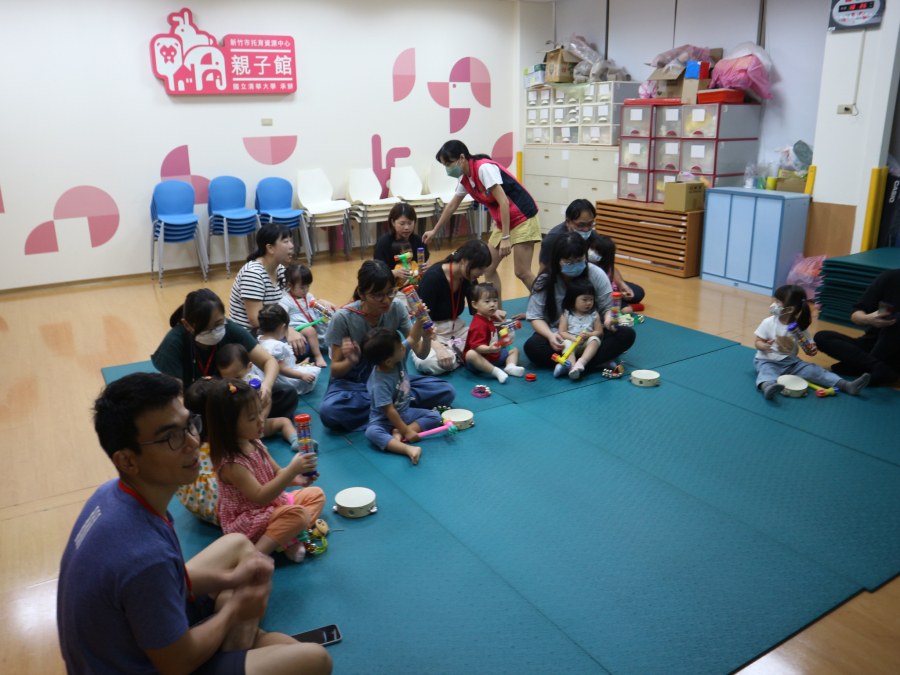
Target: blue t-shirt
[[389, 387], [121, 587]]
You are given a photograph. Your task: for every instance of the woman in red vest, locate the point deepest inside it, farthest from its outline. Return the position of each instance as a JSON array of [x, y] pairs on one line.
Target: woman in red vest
[[515, 215]]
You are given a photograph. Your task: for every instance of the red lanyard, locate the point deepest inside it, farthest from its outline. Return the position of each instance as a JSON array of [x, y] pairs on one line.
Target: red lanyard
[[356, 311], [458, 297], [143, 502], [204, 370], [297, 302]]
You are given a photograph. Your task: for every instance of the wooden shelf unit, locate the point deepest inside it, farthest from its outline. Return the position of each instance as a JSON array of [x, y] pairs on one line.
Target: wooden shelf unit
[[649, 237]]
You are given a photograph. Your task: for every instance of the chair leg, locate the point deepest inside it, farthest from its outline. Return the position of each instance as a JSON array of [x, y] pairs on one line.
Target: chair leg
[[201, 253], [348, 236], [304, 235], [227, 254], [152, 245], [161, 243]]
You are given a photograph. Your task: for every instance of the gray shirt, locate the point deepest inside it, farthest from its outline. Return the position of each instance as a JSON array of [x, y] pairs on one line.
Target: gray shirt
[[602, 291], [389, 387]]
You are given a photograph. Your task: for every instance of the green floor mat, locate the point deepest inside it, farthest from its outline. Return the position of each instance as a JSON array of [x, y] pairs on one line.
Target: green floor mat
[[113, 373], [831, 504], [868, 423], [644, 577]]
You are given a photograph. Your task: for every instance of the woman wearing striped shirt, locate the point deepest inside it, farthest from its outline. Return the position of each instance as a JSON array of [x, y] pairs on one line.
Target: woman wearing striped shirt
[[260, 282]]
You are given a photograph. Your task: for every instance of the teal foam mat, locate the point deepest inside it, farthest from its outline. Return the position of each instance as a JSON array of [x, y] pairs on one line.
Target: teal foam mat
[[113, 373], [829, 503]]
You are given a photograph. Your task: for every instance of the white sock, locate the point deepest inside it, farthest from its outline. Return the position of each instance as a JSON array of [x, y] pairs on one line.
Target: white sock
[[514, 370], [499, 374], [560, 370]]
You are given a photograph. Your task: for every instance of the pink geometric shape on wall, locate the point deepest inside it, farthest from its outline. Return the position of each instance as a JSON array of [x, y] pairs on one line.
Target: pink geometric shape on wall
[[177, 166], [440, 92], [86, 201], [384, 172], [458, 118], [270, 149], [404, 74], [42, 239], [503, 150], [2, 210]]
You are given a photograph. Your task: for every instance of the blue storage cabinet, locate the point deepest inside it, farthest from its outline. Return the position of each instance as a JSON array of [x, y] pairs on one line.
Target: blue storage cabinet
[[750, 237]]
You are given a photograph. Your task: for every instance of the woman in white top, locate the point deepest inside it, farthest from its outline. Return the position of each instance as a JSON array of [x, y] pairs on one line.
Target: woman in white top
[[260, 282]]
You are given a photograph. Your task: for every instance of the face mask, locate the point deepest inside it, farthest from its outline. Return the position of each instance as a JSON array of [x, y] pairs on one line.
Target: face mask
[[584, 235], [454, 171], [211, 338], [593, 256], [775, 310], [574, 269]]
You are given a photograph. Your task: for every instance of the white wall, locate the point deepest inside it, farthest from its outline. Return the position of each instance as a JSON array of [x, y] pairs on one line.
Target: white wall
[[848, 147], [638, 31], [586, 18], [716, 23], [82, 107]]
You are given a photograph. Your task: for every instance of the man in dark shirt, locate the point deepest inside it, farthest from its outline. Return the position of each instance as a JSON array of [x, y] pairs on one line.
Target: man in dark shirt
[[878, 351], [580, 216]]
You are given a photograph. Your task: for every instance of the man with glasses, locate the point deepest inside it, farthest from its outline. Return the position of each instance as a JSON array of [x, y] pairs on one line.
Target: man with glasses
[[580, 216], [127, 602]]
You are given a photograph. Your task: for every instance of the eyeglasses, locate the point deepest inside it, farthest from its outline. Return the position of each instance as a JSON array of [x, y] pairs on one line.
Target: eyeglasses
[[211, 330], [176, 438], [583, 227], [381, 297]]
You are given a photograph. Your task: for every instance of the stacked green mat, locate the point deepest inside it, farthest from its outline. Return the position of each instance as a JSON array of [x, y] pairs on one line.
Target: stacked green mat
[[847, 277]]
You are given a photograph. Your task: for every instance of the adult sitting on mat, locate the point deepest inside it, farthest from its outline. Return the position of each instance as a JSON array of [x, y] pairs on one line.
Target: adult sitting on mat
[[261, 282], [127, 602], [878, 351], [346, 403], [445, 290], [402, 221], [580, 216], [188, 351], [513, 211], [568, 260]]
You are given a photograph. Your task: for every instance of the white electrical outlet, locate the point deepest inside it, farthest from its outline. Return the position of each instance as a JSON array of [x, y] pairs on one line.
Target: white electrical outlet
[[267, 121], [845, 109]]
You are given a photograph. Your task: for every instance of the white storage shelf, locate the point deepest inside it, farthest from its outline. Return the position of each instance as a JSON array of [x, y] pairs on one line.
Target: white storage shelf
[[592, 112]]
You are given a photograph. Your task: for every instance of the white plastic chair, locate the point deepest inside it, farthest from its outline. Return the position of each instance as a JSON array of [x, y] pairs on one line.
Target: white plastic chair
[[364, 192], [316, 197], [438, 182], [405, 184]]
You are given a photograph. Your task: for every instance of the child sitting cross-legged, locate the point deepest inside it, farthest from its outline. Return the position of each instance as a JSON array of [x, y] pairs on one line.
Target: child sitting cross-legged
[[273, 328], [579, 316], [482, 356], [391, 419]]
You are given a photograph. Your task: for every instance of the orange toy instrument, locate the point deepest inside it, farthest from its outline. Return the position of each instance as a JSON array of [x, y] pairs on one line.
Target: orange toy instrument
[[563, 359], [506, 333], [616, 308]]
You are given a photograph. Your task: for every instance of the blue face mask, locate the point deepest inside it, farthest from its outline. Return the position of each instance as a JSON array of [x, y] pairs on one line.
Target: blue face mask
[[574, 269], [584, 235]]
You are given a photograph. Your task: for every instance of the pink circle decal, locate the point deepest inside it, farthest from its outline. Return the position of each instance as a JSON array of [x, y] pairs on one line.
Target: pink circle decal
[[503, 150], [270, 149], [42, 239], [86, 201], [404, 74]]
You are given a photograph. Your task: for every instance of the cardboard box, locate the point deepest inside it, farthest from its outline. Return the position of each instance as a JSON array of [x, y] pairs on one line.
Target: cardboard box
[[684, 196], [791, 185], [671, 83], [539, 66], [560, 65], [535, 78], [690, 89]]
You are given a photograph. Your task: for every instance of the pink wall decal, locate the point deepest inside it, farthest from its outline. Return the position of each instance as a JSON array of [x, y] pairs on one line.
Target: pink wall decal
[[93, 203], [270, 149], [473, 71], [503, 150], [190, 61], [404, 74], [2, 210], [384, 172], [42, 239], [177, 166]]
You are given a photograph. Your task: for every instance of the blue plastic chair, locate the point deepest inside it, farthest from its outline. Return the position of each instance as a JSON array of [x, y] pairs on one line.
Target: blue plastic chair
[[274, 199], [228, 214], [174, 222]]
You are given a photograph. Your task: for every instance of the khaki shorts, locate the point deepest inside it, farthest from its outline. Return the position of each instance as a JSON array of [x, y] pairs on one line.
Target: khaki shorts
[[530, 230]]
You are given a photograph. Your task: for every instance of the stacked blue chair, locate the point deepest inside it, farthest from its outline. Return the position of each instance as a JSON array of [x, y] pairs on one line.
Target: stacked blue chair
[[228, 214], [274, 201], [174, 222]]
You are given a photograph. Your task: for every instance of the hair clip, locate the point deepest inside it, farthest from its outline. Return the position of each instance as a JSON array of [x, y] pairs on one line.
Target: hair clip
[[232, 388]]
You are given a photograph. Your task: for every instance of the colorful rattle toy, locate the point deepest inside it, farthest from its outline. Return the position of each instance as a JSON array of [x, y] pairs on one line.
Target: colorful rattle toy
[[506, 334], [806, 345], [481, 391], [616, 308], [822, 392], [420, 257], [449, 427], [324, 310], [304, 438], [418, 306], [564, 358]]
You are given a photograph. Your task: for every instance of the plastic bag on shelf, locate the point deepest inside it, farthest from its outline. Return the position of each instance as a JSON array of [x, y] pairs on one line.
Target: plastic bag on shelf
[[580, 48], [751, 49], [648, 89], [681, 55], [745, 72], [805, 273]]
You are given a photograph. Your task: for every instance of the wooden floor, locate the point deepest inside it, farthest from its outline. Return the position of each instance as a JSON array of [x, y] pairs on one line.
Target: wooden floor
[[54, 342]]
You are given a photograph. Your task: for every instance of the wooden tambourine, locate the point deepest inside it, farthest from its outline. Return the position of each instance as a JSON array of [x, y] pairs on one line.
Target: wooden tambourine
[[645, 378], [794, 386], [462, 419], [355, 502]]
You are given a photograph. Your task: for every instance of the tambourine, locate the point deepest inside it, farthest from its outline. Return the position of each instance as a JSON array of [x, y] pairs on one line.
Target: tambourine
[[645, 378], [462, 419], [355, 502], [794, 386]]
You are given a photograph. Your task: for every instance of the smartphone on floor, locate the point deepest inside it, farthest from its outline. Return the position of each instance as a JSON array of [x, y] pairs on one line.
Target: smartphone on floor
[[324, 636]]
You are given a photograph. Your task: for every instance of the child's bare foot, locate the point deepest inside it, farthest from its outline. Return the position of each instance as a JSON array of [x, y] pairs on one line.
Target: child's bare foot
[[413, 452], [320, 362]]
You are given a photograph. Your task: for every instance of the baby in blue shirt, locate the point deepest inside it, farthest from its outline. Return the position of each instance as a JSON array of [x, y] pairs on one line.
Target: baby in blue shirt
[[391, 419]]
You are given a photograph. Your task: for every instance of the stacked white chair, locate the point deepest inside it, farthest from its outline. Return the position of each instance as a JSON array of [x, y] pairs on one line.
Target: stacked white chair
[[364, 192], [316, 198], [405, 185], [438, 182]]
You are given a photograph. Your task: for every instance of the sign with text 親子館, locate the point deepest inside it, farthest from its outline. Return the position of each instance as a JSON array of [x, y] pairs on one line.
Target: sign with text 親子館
[[190, 61]]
